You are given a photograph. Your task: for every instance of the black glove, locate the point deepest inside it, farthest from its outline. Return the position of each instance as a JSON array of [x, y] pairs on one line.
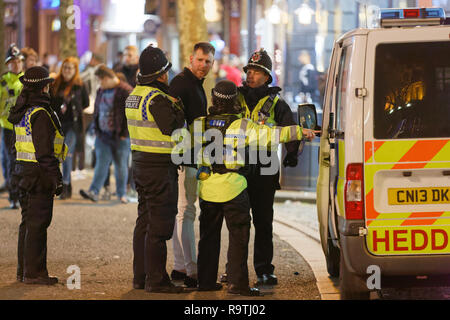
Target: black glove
[[291, 160]]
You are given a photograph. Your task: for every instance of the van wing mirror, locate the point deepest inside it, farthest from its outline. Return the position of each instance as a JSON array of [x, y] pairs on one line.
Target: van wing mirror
[[307, 116]]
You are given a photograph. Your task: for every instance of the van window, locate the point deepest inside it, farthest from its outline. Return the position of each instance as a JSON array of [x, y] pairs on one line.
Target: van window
[[412, 90], [342, 86]]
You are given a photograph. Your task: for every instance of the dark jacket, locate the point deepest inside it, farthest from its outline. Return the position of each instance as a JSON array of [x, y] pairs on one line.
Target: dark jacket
[[189, 89], [130, 73], [167, 118], [283, 113], [120, 121], [46, 170], [76, 102]]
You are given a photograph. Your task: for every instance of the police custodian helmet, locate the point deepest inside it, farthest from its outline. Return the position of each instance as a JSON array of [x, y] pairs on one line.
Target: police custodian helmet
[[260, 60], [13, 53], [152, 64]]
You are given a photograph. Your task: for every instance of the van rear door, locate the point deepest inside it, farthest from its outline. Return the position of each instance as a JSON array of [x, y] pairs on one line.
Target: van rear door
[[407, 141]]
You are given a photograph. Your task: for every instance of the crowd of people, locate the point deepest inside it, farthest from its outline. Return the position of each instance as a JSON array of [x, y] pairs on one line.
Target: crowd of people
[[136, 111]]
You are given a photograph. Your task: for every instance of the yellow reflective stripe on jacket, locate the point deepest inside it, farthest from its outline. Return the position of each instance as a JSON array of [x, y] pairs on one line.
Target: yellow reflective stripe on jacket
[[255, 114], [24, 140], [145, 136]]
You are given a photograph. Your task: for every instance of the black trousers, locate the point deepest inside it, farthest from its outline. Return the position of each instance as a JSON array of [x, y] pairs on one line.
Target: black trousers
[[237, 217], [157, 189], [36, 202], [261, 191]]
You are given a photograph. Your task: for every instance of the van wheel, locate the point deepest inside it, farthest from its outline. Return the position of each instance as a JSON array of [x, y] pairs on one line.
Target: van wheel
[[333, 258], [352, 286]]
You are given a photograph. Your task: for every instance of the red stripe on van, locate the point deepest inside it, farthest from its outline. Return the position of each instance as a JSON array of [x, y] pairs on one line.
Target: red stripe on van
[[423, 151], [368, 150], [422, 222]]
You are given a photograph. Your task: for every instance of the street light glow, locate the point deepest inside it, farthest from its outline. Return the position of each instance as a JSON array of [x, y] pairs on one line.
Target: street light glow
[[304, 14]]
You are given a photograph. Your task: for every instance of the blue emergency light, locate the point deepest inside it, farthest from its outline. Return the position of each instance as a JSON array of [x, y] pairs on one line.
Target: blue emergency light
[[411, 17]]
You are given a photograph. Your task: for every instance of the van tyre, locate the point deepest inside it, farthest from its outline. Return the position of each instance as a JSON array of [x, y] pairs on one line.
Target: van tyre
[[332, 257], [352, 286]]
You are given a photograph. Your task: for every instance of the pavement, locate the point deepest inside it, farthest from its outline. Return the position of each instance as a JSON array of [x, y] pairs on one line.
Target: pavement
[[97, 238], [303, 196]]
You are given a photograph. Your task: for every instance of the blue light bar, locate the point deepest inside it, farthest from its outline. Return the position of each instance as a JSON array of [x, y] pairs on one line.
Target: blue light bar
[[422, 13], [411, 17], [434, 13]]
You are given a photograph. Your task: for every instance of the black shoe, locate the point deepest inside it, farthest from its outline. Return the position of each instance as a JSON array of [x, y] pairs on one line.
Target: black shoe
[[89, 195], [19, 278], [190, 282], [267, 279], [247, 291], [215, 287], [138, 285], [49, 281], [167, 288], [224, 278], [177, 275]]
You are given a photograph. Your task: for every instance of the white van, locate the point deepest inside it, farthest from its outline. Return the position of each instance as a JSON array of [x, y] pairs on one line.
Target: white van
[[383, 192]]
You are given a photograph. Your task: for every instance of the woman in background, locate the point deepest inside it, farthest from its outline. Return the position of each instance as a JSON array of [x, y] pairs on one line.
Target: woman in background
[[69, 99]]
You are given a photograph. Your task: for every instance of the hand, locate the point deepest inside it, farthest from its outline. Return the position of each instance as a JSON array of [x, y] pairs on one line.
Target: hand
[[309, 134], [291, 160]]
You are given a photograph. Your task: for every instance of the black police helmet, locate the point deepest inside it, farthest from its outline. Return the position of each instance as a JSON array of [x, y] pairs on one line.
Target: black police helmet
[[260, 60], [36, 78], [152, 64]]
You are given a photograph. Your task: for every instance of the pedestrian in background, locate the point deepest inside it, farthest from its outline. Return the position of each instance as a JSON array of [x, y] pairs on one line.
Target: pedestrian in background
[[112, 142], [10, 88], [69, 98], [224, 193], [39, 146], [188, 86], [152, 116], [130, 64], [30, 56]]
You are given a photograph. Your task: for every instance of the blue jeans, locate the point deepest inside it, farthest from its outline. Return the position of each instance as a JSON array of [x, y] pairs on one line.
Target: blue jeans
[[71, 141], [105, 154], [7, 157]]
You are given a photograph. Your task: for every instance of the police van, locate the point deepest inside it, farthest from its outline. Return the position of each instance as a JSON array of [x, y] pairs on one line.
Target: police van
[[383, 191]]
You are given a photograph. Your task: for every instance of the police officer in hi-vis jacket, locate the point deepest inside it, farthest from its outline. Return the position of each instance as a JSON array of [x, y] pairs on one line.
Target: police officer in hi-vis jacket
[[39, 147], [152, 115], [262, 104], [223, 192]]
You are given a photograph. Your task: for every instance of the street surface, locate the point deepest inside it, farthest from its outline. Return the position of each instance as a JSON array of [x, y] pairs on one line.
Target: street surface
[[97, 237]]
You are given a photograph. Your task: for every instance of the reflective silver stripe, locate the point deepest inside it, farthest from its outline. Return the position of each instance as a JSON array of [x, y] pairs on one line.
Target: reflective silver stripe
[[24, 138], [151, 143], [59, 140], [244, 123], [293, 132], [142, 123], [26, 155]]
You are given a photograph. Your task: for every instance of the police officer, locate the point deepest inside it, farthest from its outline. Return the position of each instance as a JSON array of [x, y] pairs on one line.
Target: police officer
[[263, 105], [10, 88], [223, 193], [152, 116], [39, 147]]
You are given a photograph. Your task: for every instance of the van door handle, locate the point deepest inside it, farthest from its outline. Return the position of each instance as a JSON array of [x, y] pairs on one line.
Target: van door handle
[[446, 173]]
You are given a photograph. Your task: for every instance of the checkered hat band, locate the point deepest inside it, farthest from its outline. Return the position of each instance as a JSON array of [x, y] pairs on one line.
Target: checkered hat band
[[224, 96], [36, 80], [154, 73]]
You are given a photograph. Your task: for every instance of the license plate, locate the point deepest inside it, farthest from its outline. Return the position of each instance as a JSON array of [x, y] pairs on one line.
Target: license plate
[[406, 196]]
